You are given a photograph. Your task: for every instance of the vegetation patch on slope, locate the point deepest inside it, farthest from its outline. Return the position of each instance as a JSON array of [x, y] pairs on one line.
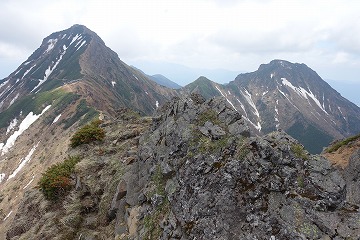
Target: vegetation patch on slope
[[35, 103], [82, 110], [339, 144]]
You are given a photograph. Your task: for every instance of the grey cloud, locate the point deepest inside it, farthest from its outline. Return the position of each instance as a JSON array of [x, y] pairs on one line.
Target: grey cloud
[[264, 42], [126, 42]]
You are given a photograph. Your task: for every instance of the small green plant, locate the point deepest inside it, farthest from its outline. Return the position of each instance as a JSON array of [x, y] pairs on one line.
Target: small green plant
[[242, 148], [300, 181], [299, 151], [344, 142], [151, 221], [158, 180], [209, 115], [55, 182], [207, 145], [87, 134]]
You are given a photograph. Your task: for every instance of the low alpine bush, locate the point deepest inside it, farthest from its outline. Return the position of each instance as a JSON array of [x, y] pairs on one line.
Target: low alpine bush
[[87, 134], [56, 181]]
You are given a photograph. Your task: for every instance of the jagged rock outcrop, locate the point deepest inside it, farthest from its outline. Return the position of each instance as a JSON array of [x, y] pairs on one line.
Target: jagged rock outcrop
[[352, 177], [287, 96], [200, 176]]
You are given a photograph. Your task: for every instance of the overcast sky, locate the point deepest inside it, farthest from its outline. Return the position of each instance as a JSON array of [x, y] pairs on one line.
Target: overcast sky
[[221, 34]]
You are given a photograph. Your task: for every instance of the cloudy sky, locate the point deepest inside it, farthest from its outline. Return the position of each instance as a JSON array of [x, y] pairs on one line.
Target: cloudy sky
[[205, 34]]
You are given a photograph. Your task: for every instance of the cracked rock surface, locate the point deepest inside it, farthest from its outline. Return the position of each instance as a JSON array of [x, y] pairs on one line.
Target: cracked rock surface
[[201, 176]]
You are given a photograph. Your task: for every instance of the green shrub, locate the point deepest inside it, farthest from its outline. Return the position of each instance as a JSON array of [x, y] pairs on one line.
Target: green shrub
[[299, 151], [87, 134], [56, 182], [208, 115]]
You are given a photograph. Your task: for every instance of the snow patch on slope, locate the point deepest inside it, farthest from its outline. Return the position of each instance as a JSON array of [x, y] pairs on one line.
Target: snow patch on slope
[[226, 98], [248, 98], [2, 177], [28, 184], [28, 71], [256, 126], [4, 83], [13, 100], [242, 106], [341, 113], [304, 93], [277, 115], [50, 69], [51, 45], [7, 216], [23, 162], [74, 39], [56, 119], [25, 124], [287, 98], [11, 125], [82, 44]]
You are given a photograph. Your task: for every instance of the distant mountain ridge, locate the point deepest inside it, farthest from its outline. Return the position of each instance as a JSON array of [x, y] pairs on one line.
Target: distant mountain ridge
[[293, 97], [182, 74], [164, 81], [161, 80]]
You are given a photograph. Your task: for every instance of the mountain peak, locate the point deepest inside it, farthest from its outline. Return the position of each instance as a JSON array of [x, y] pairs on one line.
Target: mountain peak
[[278, 64], [78, 56], [202, 78]]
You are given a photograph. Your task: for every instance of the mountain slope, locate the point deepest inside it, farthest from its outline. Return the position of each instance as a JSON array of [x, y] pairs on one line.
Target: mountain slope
[[72, 78], [283, 95], [79, 59]]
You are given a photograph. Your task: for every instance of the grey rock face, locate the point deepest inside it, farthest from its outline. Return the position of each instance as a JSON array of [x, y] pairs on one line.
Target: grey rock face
[[352, 176], [225, 184]]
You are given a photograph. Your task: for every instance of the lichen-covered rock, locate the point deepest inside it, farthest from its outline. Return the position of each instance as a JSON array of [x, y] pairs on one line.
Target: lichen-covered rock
[[225, 184], [352, 176]]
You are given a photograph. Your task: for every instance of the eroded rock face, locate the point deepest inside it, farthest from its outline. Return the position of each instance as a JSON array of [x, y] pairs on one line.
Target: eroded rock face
[[201, 176], [352, 177]]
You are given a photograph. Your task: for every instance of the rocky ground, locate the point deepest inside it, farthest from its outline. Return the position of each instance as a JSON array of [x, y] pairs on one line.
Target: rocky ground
[[195, 172]]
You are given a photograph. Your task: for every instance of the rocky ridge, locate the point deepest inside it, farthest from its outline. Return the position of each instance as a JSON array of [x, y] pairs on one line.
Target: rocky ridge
[[287, 96], [196, 173], [219, 183]]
